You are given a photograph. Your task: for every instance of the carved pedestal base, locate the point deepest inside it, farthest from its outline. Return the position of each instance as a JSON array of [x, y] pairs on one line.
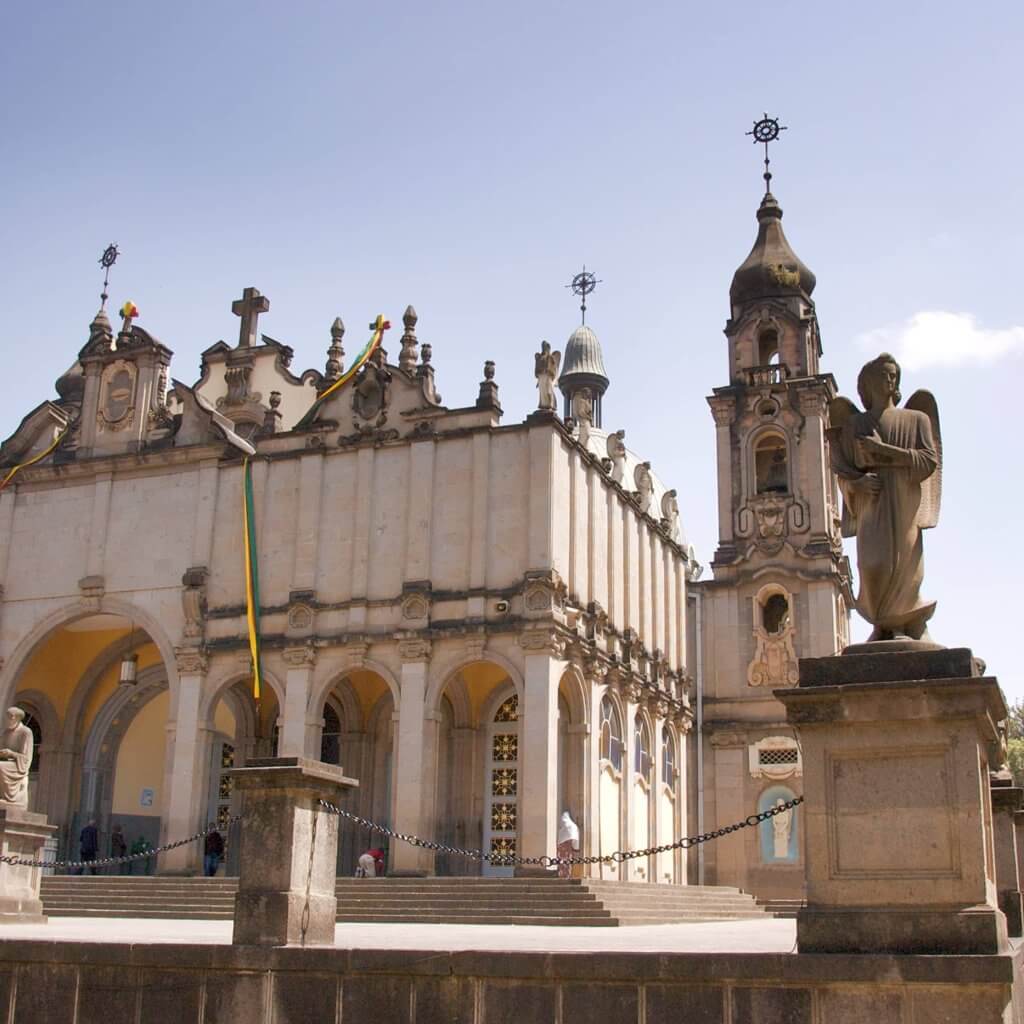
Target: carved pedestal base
[[22, 834], [898, 821]]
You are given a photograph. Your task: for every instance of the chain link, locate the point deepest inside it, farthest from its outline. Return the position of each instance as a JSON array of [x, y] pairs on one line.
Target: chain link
[[107, 861], [505, 860], [497, 859]]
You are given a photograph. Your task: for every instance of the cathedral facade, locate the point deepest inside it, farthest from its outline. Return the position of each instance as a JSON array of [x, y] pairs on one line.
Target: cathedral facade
[[485, 623]]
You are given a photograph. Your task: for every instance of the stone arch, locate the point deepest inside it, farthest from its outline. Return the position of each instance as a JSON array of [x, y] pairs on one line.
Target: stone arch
[[320, 689], [226, 682], [101, 747], [338, 684], [573, 687], [441, 674], [770, 461], [82, 609]]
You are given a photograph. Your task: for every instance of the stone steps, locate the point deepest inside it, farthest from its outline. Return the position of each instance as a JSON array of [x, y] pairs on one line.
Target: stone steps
[[570, 902]]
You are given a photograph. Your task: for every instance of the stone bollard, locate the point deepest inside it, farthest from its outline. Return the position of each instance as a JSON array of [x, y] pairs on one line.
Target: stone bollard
[[22, 834], [288, 852], [899, 852], [1006, 804]]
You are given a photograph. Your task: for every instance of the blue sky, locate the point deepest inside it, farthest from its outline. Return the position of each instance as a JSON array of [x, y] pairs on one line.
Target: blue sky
[[468, 158]]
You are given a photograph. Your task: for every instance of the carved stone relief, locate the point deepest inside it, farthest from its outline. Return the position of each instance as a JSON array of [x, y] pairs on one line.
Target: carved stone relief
[[117, 386], [543, 594], [193, 601], [775, 757], [372, 391], [774, 662]]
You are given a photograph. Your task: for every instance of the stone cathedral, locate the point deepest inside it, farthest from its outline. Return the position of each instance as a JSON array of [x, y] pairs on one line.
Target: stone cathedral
[[486, 623]]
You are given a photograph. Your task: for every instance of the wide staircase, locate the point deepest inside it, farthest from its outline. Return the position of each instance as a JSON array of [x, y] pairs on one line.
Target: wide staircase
[[523, 901]]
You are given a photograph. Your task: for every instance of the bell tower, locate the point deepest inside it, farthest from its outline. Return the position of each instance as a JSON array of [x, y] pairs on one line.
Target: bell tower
[[780, 587]]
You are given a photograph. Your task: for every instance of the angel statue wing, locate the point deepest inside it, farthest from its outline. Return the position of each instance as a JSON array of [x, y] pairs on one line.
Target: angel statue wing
[[557, 358], [931, 489], [840, 409]]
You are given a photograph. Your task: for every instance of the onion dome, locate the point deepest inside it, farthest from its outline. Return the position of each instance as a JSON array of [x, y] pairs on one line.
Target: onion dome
[[70, 384], [772, 268]]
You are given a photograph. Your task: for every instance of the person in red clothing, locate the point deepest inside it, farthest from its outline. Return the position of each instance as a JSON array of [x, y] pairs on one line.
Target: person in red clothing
[[371, 864]]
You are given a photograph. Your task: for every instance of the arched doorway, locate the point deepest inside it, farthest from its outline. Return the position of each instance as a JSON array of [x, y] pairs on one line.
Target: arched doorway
[[501, 783], [94, 688]]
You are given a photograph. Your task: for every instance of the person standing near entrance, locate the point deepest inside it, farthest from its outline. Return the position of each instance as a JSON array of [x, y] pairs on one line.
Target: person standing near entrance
[[119, 847], [213, 851], [568, 842], [88, 847]]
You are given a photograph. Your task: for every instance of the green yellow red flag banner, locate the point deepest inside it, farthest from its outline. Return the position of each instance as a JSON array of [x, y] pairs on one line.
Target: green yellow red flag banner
[[35, 458], [379, 326], [252, 577]]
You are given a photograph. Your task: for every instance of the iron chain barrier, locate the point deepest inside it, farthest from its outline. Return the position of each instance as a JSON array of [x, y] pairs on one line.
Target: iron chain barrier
[[495, 859], [508, 860]]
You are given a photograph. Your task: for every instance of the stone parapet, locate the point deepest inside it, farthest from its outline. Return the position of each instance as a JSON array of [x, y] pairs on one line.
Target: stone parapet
[[288, 855], [22, 834], [899, 834]]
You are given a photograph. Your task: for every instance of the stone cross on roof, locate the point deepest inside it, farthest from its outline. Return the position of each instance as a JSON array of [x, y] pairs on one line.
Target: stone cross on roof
[[249, 307]]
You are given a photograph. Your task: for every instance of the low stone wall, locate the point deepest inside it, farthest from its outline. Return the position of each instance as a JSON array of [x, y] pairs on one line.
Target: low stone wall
[[97, 983]]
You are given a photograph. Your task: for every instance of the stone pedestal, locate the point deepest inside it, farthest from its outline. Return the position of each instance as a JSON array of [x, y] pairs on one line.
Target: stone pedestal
[[288, 852], [22, 834], [899, 849], [1006, 804]]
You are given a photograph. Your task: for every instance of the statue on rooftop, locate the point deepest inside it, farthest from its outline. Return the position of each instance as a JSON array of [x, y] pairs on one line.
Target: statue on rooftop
[[616, 447], [545, 368], [889, 464], [15, 759], [583, 413]]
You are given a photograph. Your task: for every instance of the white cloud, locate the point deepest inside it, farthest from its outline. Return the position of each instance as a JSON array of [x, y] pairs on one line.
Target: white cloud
[[936, 338]]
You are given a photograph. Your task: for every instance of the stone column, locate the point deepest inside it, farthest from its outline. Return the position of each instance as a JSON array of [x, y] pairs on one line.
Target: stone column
[[538, 746], [898, 821], [22, 834], [300, 660], [409, 783], [289, 849], [1006, 804], [184, 783]]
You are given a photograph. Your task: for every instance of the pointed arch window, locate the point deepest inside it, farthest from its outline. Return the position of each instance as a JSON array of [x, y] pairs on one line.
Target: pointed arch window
[[642, 762], [668, 758], [611, 733]]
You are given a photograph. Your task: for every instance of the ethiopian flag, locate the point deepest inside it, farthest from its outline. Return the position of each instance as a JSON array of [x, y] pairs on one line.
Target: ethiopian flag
[[379, 326], [252, 577]]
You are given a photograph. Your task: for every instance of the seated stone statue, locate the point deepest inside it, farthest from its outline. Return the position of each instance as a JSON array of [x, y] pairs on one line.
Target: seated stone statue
[[15, 758]]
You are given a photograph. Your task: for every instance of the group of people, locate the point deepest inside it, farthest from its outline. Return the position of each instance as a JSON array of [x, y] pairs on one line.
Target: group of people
[[89, 849]]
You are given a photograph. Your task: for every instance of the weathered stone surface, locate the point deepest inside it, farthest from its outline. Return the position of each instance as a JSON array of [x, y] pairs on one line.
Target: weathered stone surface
[[950, 663], [107, 994], [170, 996], [775, 1005], [231, 998], [699, 1004], [22, 834], [385, 999], [610, 1004], [512, 1002], [839, 1006], [46, 992]]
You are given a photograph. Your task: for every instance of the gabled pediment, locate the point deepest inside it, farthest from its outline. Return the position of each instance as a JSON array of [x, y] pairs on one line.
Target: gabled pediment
[[35, 434]]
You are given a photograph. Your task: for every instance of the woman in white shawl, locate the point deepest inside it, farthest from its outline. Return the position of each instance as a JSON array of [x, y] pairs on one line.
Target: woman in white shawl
[[568, 842]]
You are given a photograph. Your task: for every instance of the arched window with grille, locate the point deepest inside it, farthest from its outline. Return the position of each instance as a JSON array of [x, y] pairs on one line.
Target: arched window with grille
[[611, 733]]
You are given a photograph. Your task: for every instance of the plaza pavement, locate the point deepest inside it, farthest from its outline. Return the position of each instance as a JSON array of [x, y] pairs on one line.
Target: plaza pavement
[[769, 935]]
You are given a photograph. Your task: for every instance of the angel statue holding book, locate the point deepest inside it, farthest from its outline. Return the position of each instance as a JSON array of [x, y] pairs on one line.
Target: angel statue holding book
[[889, 464]]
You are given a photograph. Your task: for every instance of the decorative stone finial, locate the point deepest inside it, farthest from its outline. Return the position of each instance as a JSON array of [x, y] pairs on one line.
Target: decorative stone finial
[[407, 357], [488, 397], [335, 353]]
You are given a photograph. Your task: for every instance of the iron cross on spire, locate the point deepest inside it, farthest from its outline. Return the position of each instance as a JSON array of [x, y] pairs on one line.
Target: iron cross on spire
[[582, 285], [249, 307], [766, 130], [107, 260]]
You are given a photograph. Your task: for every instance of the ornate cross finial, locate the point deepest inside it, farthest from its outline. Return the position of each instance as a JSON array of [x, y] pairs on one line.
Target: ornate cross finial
[[249, 307], [107, 260], [335, 353], [582, 285], [766, 130]]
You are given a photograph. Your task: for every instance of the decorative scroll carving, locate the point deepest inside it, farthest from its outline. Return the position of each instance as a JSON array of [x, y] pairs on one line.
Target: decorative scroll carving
[[774, 662], [542, 638], [302, 655], [414, 649], [193, 601]]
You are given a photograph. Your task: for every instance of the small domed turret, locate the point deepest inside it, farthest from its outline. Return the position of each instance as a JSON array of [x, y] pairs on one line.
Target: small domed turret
[[583, 367]]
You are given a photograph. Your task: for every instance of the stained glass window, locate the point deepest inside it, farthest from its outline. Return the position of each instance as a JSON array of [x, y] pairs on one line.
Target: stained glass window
[[503, 849], [509, 711], [504, 781], [503, 817], [505, 747]]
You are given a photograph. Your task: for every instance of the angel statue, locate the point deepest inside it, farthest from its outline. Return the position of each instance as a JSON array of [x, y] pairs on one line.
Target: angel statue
[[545, 367], [889, 464]]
